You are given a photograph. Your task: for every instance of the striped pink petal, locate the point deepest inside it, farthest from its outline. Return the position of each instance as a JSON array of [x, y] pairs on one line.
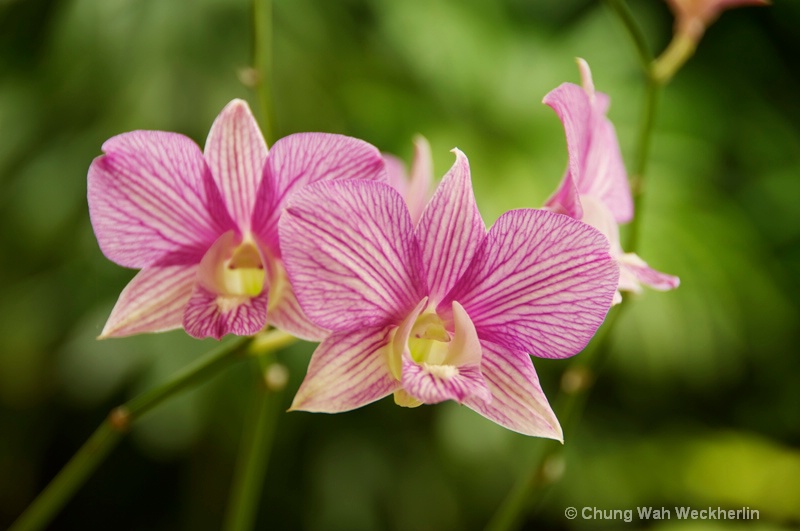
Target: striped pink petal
[[154, 301], [211, 315], [348, 370], [236, 153], [350, 254], [541, 283], [305, 158], [152, 200], [431, 384], [518, 402], [286, 314], [635, 271], [451, 229], [595, 161]]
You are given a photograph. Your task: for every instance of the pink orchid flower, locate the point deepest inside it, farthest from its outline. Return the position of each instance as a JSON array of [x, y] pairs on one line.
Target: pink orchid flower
[[203, 226], [416, 187], [595, 187], [443, 310]]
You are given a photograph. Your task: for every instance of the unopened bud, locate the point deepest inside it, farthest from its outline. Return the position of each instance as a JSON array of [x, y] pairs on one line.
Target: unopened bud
[[249, 77], [576, 379], [276, 377], [553, 468]]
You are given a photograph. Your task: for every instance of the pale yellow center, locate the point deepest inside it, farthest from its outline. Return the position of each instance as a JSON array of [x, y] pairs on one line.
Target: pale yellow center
[[429, 342], [243, 273]]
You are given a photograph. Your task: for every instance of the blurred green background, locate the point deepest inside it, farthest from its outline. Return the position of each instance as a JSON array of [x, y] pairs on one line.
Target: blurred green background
[[699, 403]]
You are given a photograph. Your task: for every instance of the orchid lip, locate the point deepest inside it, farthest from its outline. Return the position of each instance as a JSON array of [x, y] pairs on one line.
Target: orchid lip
[[424, 339], [439, 364]]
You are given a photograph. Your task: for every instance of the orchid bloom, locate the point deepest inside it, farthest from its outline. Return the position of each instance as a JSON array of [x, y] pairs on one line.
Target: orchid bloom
[[203, 226], [443, 310], [416, 187], [595, 187]]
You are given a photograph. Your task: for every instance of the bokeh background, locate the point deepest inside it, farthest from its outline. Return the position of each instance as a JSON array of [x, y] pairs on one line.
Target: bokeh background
[[699, 403]]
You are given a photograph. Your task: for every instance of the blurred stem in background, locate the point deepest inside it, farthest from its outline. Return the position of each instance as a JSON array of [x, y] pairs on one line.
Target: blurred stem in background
[[547, 463], [262, 66], [92, 453], [647, 123], [53, 498], [257, 437]]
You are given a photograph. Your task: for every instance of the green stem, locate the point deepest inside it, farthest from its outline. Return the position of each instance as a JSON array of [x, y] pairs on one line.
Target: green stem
[[645, 138], [680, 49], [647, 123], [51, 500], [69, 479], [271, 341], [262, 64], [195, 373], [257, 438], [623, 12]]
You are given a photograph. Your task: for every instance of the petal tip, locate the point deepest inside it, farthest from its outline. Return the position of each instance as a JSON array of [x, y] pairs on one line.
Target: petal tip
[[460, 156], [559, 434], [420, 142], [113, 330], [305, 403], [586, 75], [237, 104]]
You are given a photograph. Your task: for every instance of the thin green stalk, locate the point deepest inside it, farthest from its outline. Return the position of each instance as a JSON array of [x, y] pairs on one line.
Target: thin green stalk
[[647, 123], [61, 489], [272, 341], [645, 138], [680, 49], [262, 64], [195, 373], [257, 438], [69, 479], [623, 12]]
